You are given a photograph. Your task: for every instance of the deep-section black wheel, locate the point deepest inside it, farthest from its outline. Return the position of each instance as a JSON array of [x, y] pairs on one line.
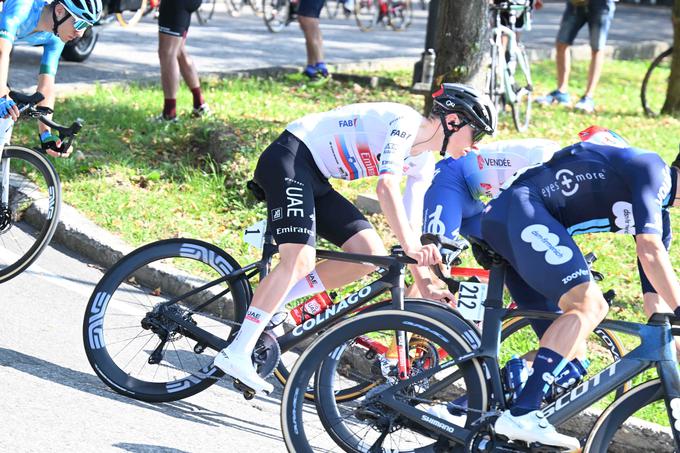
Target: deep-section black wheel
[[130, 338], [359, 424], [30, 201], [655, 84]]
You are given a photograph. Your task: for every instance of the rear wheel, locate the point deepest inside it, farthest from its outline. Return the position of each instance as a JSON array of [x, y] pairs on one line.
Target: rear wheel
[[130, 337], [29, 215]]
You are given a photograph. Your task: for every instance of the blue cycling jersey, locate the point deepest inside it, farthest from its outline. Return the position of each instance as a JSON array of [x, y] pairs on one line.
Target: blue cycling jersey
[[585, 188], [18, 21]]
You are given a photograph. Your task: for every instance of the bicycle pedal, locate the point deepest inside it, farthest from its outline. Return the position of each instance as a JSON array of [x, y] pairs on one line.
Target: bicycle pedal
[[247, 392]]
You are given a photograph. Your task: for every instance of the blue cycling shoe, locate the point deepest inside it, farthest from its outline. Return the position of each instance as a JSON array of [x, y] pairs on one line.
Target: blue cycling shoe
[[554, 97]]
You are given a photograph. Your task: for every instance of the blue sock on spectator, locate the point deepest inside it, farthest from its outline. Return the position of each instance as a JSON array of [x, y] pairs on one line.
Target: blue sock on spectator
[[321, 67], [547, 365]]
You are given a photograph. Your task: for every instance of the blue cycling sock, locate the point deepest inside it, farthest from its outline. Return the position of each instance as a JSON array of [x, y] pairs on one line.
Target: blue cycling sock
[[321, 67], [547, 365]]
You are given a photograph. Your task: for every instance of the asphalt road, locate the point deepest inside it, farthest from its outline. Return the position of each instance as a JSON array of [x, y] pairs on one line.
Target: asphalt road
[[236, 43]]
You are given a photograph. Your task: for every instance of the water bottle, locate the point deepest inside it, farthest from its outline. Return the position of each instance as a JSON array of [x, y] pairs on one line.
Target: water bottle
[[428, 67], [311, 307], [570, 377], [516, 374]]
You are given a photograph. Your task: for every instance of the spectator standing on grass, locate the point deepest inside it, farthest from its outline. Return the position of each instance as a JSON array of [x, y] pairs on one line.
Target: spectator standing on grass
[[173, 24], [308, 11], [598, 14]]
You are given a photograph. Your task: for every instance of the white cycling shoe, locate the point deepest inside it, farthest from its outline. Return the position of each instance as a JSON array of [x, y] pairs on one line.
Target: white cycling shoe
[[240, 367], [533, 427]]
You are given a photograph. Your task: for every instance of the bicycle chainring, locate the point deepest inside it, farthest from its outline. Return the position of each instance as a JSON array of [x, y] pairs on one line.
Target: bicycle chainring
[[267, 354]]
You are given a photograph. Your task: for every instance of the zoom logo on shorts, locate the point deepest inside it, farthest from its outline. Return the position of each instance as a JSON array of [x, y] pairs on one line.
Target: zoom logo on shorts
[[542, 240]]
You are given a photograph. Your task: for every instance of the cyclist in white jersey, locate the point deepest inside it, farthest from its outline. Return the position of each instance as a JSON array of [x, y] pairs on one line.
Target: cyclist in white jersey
[[351, 142]]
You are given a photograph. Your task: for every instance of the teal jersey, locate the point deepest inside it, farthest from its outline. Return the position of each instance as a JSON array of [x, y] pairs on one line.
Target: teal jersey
[[18, 21]]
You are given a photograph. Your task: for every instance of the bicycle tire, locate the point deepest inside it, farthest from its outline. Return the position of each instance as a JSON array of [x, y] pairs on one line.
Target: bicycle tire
[[493, 78], [366, 13], [34, 194], [608, 338], [399, 14], [603, 434], [652, 96], [205, 12], [257, 7], [331, 7], [519, 89], [330, 346], [119, 328], [275, 14], [234, 7], [135, 18]]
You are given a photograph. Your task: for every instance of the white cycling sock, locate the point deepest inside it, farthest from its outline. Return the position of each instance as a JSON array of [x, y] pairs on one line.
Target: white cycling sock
[[251, 329], [309, 285]]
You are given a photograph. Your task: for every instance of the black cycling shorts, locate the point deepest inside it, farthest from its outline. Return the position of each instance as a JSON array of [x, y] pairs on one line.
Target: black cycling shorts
[[300, 200], [310, 8], [174, 16]]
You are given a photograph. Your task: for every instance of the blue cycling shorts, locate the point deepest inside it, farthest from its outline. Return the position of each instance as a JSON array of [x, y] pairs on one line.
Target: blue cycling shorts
[[518, 226]]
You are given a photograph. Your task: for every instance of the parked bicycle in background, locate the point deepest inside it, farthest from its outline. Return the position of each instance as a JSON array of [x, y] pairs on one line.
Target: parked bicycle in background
[[655, 83]]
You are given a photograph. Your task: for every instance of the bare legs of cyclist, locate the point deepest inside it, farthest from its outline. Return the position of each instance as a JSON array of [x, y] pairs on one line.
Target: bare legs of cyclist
[[297, 261], [316, 69], [175, 61]]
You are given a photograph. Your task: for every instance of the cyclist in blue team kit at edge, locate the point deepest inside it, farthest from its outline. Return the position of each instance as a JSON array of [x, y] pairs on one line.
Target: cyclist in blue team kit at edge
[[584, 188], [50, 25], [351, 142]]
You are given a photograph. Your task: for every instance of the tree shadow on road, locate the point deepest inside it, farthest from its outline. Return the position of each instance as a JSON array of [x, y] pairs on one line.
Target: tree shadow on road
[[146, 448], [182, 410]]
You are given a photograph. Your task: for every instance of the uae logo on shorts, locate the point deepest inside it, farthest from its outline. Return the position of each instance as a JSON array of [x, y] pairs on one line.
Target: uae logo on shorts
[[277, 214]]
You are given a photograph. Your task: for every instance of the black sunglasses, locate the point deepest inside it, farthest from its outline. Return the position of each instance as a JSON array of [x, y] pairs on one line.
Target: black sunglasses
[[477, 133]]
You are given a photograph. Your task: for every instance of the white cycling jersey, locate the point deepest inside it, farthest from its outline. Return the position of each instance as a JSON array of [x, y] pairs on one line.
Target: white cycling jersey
[[359, 140]]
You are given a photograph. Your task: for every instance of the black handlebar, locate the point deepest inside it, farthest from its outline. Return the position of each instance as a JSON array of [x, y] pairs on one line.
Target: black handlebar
[[27, 105]]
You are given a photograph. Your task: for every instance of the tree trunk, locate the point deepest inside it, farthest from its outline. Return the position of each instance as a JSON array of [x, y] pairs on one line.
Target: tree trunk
[[461, 42], [672, 104]]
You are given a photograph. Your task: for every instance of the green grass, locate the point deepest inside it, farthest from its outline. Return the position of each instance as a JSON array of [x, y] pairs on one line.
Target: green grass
[[146, 181]]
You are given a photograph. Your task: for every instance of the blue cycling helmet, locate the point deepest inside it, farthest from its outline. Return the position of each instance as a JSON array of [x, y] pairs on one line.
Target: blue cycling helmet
[[85, 13]]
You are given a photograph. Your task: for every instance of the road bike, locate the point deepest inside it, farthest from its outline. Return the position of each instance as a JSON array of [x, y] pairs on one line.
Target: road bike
[[655, 83], [401, 414], [508, 80], [157, 318], [397, 14], [30, 192], [278, 14]]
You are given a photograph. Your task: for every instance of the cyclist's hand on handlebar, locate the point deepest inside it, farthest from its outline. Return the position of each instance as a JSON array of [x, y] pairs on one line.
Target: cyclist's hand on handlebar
[[8, 108], [425, 255], [52, 145], [434, 292]]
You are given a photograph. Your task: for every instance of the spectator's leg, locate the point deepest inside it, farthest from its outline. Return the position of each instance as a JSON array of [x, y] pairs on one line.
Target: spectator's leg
[[190, 75], [594, 72], [599, 21], [563, 61], [313, 39], [168, 50]]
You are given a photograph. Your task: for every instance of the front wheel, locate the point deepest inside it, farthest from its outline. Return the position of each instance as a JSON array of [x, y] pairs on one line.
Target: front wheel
[[519, 89], [339, 356], [655, 84], [81, 48], [30, 201], [129, 334], [609, 432]]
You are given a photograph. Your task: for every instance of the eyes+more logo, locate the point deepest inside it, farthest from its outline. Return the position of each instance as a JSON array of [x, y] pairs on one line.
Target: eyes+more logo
[[567, 182], [542, 240]]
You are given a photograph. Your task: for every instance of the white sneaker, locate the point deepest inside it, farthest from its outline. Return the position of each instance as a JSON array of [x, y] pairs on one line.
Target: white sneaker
[[241, 367], [533, 427]]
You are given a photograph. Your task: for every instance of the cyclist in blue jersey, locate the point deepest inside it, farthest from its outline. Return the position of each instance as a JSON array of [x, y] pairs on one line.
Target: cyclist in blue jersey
[[584, 188], [50, 25]]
